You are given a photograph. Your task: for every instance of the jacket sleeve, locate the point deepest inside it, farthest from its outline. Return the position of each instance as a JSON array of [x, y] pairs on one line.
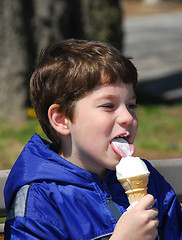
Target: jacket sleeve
[[170, 211], [26, 228], [34, 216]]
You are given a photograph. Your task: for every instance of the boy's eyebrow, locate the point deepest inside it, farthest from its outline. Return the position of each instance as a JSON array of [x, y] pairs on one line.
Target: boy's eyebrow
[[134, 97], [106, 96], [111, 96]]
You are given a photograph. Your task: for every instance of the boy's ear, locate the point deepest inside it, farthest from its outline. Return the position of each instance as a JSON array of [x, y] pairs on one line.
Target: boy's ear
[[58, 120]]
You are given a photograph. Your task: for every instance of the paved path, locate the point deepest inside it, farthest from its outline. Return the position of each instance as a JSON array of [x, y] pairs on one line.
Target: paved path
[[155, 43]]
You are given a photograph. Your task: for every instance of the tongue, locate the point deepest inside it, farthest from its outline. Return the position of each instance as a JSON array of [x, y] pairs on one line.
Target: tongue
[[122, 147]]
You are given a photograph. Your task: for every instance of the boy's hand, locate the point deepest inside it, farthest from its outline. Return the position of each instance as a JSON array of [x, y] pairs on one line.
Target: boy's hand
[[138, 223]]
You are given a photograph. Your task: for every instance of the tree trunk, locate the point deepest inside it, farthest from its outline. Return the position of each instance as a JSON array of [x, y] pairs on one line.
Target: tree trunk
[[12, 61], [102, 21], [27, 26]]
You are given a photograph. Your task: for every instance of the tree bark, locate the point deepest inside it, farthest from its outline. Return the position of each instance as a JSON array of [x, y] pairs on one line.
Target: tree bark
[[102, 20], [27, 26], [12, 61]]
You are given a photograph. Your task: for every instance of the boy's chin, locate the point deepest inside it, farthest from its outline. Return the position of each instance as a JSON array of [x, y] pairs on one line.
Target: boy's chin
[[113, 168]]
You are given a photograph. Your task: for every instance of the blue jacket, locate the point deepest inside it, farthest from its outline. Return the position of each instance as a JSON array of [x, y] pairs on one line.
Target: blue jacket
[[47, 197]]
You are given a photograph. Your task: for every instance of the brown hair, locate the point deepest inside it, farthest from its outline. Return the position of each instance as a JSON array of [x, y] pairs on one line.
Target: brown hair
[[69, 69]]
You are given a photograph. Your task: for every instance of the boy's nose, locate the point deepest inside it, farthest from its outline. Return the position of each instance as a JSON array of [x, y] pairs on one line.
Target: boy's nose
[[124, 117]]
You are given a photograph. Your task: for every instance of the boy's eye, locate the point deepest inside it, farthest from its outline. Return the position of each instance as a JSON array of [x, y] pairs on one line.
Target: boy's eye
[[109, 106], [132, 106]]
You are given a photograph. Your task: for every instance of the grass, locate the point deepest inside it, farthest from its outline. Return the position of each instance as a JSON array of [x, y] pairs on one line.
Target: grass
[[13, 138], [160, 132], [159, 135]]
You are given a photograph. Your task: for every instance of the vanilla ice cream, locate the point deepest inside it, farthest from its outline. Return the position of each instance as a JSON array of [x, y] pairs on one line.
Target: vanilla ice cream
[[131, 166], [133, 175]]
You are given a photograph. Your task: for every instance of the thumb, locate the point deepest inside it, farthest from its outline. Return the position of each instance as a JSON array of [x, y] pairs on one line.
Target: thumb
[[146, 202]]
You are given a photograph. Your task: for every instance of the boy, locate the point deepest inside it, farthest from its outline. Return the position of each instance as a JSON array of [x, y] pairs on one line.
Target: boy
[[83, 95]]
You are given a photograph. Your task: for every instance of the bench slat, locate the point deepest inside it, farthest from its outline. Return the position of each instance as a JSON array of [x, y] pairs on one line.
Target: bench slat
[[3, 177], [171, 169]]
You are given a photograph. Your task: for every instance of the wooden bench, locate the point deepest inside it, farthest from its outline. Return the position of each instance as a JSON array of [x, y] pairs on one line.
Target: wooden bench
[[171, 169], [3, 177]]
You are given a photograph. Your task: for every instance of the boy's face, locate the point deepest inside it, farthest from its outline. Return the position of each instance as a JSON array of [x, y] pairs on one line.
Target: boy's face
[[99, 117]]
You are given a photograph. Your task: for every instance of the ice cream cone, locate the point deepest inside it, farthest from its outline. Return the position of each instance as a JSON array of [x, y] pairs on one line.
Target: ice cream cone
[[135, 187]]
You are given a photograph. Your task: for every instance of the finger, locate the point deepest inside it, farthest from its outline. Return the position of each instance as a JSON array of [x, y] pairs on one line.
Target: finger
[[151, 217], [132, 205], [153, 213], [146, 202], [155, 233], [153, 225], [156, 222]]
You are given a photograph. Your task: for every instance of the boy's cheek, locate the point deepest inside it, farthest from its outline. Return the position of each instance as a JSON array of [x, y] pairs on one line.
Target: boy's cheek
[[135, 130], [136, 124]]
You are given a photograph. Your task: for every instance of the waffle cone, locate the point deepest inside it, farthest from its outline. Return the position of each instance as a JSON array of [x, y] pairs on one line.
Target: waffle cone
[[135, 187]]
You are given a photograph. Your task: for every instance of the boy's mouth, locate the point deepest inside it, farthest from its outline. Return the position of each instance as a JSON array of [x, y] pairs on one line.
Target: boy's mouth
[[121, 145], [123, 136]]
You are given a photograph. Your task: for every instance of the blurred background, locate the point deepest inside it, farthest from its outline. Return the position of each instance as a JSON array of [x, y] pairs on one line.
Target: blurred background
[[149, 31]]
